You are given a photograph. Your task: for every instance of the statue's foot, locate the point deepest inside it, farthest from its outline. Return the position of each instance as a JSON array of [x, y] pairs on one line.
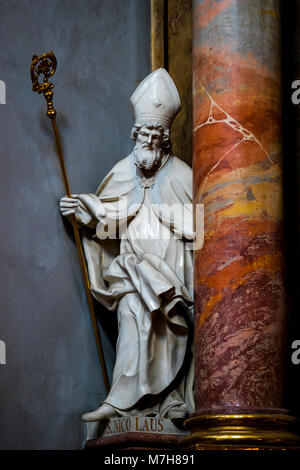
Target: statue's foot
[[103, 413], [177, 413]]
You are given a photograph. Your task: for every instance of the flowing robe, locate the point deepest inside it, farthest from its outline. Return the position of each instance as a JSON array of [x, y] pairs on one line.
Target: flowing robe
[[146, 275]]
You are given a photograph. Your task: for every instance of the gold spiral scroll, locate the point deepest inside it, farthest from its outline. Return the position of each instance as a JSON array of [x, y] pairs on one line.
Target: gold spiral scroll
[[45, 65]]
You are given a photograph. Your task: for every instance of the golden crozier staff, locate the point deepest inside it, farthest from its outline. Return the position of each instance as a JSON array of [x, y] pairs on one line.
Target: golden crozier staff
[[46, 65]]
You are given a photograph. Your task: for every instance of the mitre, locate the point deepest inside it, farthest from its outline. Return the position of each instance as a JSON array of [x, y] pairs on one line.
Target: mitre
[[156, 99]]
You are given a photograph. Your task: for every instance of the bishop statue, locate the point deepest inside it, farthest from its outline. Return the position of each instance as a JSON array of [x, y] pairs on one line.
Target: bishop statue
[[137, 241]]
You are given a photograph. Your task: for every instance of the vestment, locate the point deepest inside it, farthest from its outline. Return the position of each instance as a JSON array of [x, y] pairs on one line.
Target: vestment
[[147, 277]]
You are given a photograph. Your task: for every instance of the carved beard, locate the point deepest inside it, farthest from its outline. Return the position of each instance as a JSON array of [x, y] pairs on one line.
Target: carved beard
[[146, 158]]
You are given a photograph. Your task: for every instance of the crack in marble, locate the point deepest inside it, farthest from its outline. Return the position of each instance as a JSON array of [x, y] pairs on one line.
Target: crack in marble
[[234, 124]]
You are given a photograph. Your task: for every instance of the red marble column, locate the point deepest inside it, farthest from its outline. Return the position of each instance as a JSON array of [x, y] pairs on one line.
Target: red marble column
[[240, 314]]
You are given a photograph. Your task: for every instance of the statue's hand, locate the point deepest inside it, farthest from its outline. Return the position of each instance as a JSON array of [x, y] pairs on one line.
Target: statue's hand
[[68, 205]]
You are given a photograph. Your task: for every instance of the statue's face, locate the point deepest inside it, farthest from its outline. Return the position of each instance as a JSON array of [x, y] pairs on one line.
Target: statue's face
[[148, 151]]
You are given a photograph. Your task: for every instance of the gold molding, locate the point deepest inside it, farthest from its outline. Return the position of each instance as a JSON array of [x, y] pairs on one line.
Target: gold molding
[[179, 58], [171, 48], [243, 432], [157, 34]]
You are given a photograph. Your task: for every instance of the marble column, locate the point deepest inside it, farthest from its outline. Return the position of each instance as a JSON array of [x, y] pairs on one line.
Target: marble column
[[240, 313]]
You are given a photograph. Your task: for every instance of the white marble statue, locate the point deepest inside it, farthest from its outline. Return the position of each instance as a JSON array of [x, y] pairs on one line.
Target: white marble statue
[[140, 225]]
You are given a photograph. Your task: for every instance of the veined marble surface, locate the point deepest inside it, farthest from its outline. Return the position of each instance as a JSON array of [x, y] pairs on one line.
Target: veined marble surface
[[239, 290]]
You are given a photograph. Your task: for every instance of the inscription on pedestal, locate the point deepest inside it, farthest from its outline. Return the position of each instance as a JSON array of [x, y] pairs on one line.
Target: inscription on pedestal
[[134, 424]]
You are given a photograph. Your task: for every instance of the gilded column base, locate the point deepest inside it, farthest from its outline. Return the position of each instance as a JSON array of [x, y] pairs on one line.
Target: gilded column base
[[243, 432]]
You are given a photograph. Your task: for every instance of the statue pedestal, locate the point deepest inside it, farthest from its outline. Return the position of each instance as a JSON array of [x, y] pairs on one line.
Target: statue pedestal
[[136, 432]]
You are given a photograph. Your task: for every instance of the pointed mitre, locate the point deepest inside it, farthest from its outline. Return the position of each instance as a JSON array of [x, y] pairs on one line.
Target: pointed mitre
[[156, 99]]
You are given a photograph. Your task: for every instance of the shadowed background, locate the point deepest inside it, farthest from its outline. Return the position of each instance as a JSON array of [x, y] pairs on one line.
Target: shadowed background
[[291, 176]]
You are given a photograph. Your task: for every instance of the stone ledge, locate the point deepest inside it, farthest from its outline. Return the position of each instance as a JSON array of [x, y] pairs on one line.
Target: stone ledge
[[135, 432]]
